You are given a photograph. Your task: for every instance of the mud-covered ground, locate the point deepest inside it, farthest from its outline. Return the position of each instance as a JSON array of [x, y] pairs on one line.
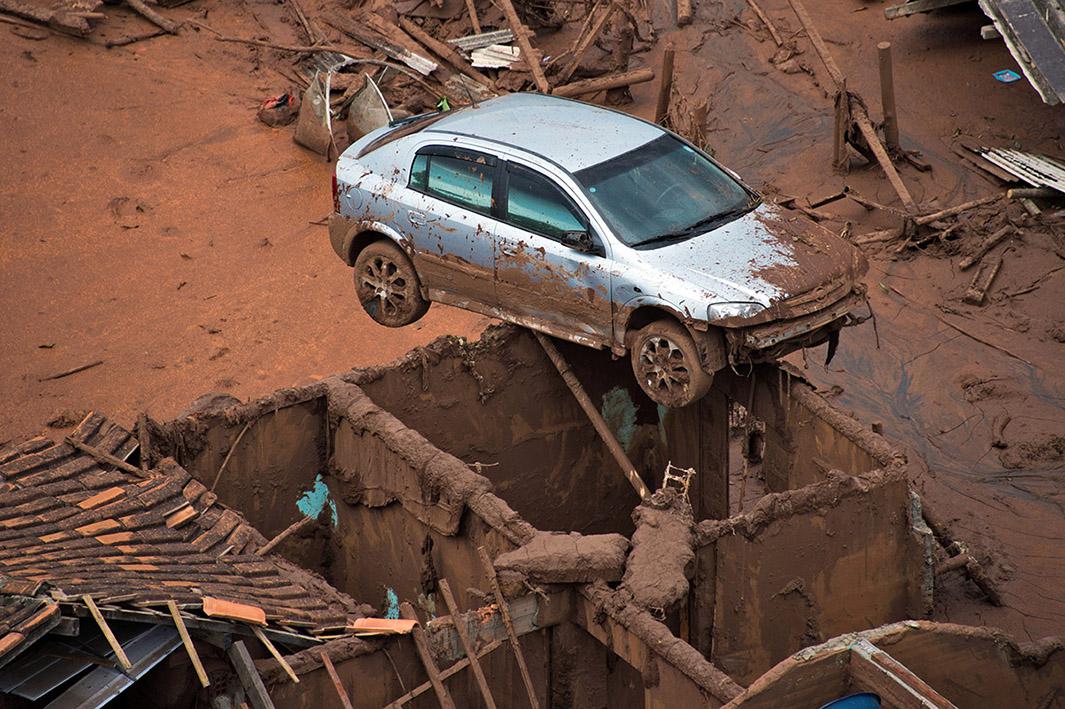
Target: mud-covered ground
[[150, 221]]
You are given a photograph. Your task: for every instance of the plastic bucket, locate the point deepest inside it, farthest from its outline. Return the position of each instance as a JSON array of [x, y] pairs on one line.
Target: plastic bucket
[[864, 700]]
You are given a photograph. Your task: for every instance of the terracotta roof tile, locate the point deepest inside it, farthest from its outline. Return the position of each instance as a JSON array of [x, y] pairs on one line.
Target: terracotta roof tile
[[85, 528]]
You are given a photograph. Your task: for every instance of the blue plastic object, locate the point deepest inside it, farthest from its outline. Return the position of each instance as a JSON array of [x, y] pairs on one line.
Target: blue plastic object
[[863, 700], [1006, 76]]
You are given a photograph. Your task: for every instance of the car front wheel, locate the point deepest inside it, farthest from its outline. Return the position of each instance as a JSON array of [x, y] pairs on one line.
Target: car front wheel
[[665, 361], [387, 285]]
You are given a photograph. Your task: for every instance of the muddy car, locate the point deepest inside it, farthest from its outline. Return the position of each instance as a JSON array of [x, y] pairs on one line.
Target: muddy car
[[590, 225]]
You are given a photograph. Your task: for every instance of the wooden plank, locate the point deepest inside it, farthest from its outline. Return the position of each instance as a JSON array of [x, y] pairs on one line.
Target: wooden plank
[[445, 674], [773, 31], [585, 40], [337, 684], [875, 670], [665, 85], [426, 655], [986, 245], [475, 22], [918, 6], [446, 52], [277, 655], [504, 611], [866, 127], [981, 282], [521, 36], [467, 645], [249, 676], [819, 44], [106, 458], [116, 647], [285, 534], [194, 657], [955, 210], [684, 12]]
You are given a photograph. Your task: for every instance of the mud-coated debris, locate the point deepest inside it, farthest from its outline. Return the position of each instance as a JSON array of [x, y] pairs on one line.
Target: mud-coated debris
[[67, 418], [1036, 452], [128, 212], [656, 573], [1057, 333], [279, 110], [568, 558], [212, 402]]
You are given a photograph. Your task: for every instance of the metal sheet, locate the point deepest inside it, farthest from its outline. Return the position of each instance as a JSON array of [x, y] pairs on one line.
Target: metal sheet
[[1036, 170], [485, 39], [104, 684], [1034, 32], [496, 56]]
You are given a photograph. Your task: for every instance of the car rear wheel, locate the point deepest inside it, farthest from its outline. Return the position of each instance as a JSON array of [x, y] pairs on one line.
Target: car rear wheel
[[387, 285], [665, 361]]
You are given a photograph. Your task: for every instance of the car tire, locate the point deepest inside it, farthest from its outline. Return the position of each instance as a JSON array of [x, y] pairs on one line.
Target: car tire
[[666, 363], [388, 286]]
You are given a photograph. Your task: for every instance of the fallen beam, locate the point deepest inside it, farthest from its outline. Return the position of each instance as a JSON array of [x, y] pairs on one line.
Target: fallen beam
[[875, 670], [504, 611], [918, 6], [591, 32], [528, 53], [604, 83], [249, 676], [406, 611], [467, 645], [593, 414]]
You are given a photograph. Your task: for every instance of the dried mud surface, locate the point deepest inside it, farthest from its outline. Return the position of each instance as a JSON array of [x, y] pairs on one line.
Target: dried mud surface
[[151, 222]]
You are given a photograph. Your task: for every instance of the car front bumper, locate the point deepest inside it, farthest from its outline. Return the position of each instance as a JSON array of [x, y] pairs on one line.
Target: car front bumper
[[778, 338]]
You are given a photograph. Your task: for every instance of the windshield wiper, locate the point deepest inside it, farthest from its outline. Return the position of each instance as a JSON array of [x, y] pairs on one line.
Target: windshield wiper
[[702, 225]]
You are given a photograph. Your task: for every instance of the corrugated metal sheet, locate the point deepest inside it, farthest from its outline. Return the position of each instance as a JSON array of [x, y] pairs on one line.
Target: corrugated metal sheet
[[497, 56], [485, 39], [1036, 170], [1034, 31]]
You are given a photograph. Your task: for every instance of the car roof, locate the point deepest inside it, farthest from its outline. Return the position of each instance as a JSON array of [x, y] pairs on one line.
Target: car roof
[[573, 134]]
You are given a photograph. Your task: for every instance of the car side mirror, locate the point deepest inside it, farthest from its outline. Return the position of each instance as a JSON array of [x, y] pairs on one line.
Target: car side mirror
[[581, 241]]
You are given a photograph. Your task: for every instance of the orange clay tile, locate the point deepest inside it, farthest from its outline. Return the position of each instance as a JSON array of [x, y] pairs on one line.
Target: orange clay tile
[[55, 537], [101, 498], [217, 608], [10, 641], [96, 527], [181, 516], [41, 616], [383, 626], [116, 538], [138, 567]]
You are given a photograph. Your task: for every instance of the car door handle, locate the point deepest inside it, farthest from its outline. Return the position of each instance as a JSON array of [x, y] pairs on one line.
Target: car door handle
[[416, 218]]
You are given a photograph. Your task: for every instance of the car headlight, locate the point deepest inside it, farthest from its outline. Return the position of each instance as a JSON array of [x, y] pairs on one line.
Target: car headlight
[[717, 311]]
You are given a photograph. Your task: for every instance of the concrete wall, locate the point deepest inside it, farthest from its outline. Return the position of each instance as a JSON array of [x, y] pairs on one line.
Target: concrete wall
[[804, 566]]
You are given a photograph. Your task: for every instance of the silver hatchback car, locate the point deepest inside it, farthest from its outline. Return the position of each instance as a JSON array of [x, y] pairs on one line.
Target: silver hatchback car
[[589, 225]]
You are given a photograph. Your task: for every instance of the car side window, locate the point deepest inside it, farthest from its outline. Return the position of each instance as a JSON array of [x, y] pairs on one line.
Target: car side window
[[536, 203], [461, 177]]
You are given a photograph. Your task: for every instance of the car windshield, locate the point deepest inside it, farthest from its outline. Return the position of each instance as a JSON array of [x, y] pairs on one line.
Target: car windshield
[[662, 191]]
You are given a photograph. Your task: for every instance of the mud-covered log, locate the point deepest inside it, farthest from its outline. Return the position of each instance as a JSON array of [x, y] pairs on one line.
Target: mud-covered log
[[604, 83]]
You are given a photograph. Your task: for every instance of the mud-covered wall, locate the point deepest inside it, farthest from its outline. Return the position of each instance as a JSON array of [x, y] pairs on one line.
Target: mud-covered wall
[[804, 566], [974, 668], [501, 403]]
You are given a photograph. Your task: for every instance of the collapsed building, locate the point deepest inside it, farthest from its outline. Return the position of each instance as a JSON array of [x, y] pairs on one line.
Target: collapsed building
[[782, 560]]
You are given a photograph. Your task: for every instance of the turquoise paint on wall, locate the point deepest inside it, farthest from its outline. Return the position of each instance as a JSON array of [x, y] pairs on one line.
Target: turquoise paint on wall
[[619, 412], [312, 502]]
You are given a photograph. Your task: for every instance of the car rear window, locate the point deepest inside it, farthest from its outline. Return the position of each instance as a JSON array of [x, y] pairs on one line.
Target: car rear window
[[461, 177]]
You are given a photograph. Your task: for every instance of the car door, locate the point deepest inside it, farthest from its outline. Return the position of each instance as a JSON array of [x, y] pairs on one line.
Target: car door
[[449, 216], [542, 274]]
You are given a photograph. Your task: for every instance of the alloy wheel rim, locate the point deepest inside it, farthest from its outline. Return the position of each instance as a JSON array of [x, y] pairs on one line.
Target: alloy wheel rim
[[662, 365], [384, 282]]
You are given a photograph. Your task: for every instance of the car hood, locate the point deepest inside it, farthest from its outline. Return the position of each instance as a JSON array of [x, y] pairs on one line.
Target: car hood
[[766, 256]]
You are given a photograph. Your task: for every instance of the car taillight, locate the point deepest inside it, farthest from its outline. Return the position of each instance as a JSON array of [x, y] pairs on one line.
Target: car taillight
[[336, 194]]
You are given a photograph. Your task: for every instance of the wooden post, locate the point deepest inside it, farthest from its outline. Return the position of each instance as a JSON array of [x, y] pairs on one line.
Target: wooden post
[[106, 458], [665, 85], [194, 657], [143, 442], [116, 647], [684, 12], [464, 638], [474, 21], [328, 664], [887, 98], [249, 676], [422, 645], [444, 674], [840, 156], [504, 612], [521, 36], [593, 414]]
